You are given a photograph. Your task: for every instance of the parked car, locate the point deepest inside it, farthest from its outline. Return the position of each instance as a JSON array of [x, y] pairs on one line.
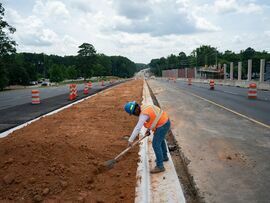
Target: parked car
[[33, 83], [45, 83]]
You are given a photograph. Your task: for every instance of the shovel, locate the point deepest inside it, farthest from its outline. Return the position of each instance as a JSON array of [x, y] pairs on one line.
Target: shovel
[[109, 164]]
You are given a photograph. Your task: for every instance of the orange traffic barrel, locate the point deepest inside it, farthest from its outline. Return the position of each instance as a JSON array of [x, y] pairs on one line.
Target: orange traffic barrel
[[252, 91], [212, 84], [76, 91], [189, 81], [85, 90], [35, 97], [72, 93], [90, 85]]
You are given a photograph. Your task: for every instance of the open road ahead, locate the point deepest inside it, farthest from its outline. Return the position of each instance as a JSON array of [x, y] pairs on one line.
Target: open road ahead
[[22, 96], [234, 98], [226, 151]]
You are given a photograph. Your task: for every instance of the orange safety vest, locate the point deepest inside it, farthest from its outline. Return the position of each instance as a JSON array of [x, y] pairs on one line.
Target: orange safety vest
[[157, 117]]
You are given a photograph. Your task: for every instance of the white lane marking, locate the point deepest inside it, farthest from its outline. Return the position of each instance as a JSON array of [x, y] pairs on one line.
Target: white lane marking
[[229, 92], [232, 111], [221, 106]]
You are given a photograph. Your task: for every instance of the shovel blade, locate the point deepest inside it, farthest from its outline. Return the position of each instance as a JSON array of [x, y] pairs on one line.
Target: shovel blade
[[109, 164]]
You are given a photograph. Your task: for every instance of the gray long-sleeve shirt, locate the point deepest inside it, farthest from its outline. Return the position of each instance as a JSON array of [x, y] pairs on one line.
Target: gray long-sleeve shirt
[[142, 119]]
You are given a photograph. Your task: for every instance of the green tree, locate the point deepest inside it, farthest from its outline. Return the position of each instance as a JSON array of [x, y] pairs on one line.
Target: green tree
[[86, 59], [105, 61], [56, 74], [172, 61], [7, 46], [18, 75], [99, 70], [122, 66], [183, 60], [206, 55], [249, 53], [71, 72], [86, 49], [3, 77]]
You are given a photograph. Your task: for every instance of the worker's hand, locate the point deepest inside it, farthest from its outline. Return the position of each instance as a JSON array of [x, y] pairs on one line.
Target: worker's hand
[[147, 133], [129, 144]]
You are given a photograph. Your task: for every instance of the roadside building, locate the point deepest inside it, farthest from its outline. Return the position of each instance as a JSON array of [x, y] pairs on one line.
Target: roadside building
[[211, 72]]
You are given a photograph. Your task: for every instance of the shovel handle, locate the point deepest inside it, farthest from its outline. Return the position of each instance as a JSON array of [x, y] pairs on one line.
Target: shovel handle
[[127, 149]]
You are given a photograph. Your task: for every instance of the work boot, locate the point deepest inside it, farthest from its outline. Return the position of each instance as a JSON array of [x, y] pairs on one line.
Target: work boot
[[157, 170]]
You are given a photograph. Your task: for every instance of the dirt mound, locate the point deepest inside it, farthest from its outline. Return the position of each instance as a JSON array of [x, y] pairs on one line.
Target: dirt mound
[[59, 157]]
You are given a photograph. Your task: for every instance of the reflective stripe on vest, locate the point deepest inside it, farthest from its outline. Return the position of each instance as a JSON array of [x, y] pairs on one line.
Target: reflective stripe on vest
[[156, 115]]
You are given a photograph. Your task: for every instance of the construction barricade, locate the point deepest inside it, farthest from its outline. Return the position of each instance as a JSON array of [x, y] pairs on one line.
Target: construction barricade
[[189, 81], [85, 90], [73, 91], [89, 85], [212, 84], [35, 97], [252, 91]]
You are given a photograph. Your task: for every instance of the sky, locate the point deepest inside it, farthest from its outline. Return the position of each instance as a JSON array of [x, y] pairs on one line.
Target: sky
[[140, 30]]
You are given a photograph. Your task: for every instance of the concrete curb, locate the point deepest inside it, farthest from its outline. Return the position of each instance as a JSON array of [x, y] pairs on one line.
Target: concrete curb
[[162, 187]]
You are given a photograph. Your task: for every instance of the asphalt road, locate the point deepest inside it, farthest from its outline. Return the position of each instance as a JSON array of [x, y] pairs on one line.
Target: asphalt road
[[227, 155], [234, 98], [23, 96], [16, 107]]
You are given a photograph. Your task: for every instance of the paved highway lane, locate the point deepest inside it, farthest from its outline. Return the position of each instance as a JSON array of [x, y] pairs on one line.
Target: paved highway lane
[[262, 94], [18, 110], [23, 96], [233, 98], [226, 154]]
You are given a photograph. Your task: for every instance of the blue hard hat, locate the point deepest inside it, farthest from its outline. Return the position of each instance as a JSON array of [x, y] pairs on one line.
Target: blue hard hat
[[130, 107]]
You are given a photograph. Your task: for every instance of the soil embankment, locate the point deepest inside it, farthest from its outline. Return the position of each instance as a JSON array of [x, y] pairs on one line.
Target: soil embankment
[[59, 157]]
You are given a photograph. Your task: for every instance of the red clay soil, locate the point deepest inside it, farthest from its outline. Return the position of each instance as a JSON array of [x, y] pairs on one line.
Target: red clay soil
[[59, 157]]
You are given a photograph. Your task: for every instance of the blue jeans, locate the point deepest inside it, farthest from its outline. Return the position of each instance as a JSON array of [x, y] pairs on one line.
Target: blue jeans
[[159, 144]]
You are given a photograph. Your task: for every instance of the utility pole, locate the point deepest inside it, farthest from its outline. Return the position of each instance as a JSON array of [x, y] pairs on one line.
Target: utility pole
[[196, 59], [44, 68], [216, 56]]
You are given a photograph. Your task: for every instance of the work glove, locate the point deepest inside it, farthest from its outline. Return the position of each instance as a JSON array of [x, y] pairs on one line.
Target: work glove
[[147, 133]]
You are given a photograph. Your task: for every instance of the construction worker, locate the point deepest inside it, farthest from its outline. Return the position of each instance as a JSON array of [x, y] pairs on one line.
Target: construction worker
[[153, 118]]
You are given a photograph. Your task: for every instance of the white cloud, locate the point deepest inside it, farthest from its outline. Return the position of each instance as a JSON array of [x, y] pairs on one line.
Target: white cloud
[[178, 18], [237, 39], [140, 30], [82, 5], [31, 31], [133, 9], [230, 6], [51, 8], [43, 37], [267, 33]]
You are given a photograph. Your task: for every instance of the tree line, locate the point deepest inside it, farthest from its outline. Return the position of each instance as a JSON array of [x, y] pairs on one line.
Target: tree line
[[21, 68], [210, 56]]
